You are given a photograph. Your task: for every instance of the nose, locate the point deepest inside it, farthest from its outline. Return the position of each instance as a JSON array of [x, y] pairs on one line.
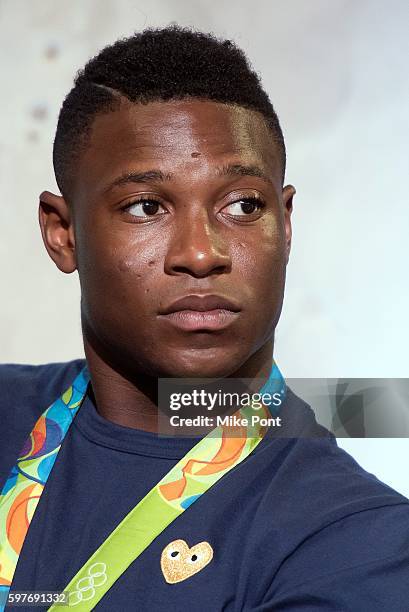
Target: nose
[[197, 247]]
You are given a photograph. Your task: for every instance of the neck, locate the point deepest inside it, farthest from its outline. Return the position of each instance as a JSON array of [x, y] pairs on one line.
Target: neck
[[132, 401]]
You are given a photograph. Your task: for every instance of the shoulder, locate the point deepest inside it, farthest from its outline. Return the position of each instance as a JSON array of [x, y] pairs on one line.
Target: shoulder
[[343, 535], [358, 562], [308, 483], [38, 384], [321, 476], [359, 558], [25, 392]]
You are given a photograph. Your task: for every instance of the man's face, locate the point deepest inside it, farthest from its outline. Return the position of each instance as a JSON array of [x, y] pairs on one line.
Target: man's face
[[178, 199]]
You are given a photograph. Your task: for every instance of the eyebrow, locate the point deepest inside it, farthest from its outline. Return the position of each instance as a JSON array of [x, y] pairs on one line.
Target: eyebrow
[[139, 177], [158, 176], [243, 170]]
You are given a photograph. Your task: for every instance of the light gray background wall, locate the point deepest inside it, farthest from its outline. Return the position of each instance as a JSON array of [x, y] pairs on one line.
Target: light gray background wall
[[336, 71]]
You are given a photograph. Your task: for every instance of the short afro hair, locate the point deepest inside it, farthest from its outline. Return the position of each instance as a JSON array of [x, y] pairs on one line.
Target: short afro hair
[[156, 65]]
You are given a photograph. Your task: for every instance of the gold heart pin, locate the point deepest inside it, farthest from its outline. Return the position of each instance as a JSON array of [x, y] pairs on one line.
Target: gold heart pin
[[179, 562]]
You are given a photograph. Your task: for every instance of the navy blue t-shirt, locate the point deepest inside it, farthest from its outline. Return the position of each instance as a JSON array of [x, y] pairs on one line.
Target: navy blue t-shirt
[[298, 525]]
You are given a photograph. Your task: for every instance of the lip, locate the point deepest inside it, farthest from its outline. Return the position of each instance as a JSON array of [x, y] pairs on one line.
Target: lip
[[201, 312], [201, 303]]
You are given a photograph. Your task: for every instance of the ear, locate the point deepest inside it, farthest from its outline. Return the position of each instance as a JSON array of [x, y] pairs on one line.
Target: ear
[[287, 196], [57, 231]]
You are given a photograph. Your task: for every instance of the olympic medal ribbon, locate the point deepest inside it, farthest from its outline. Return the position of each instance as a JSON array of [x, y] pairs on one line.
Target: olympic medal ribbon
[[208, 461], [204, 465], [25, 484]]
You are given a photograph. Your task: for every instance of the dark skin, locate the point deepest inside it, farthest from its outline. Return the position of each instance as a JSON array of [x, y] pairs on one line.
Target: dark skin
[[210, 217]]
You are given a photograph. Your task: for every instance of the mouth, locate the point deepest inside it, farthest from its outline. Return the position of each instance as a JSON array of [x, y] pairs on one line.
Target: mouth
[[201, 313]]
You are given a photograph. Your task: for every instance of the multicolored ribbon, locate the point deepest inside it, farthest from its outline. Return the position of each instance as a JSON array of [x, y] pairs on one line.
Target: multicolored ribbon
[[25, 484], [208, 461]]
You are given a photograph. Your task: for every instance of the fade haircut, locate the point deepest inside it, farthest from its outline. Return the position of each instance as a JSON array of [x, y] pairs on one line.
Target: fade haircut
[[162, 64]]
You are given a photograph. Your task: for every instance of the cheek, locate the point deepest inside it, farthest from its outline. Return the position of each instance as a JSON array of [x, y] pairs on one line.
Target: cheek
[[261, 257], [116, 270]]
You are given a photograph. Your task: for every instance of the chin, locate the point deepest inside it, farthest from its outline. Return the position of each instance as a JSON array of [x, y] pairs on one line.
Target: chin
[[204, 363]]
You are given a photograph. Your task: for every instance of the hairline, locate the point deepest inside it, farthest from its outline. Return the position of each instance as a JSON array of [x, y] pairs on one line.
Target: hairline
[[119, 100]]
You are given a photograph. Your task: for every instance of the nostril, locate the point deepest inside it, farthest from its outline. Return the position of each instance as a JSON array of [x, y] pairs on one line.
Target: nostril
[[201, 273], [197, 260]]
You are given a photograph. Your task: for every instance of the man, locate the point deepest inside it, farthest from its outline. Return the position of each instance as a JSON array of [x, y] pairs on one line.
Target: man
[[170, 161]]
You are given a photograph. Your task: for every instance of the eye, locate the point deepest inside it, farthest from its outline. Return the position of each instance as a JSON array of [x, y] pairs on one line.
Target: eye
[[193, 559], [245, 207], [172, 554], [145, 207]]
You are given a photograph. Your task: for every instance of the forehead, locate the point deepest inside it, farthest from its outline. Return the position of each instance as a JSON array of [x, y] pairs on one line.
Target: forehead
[[176, 137]]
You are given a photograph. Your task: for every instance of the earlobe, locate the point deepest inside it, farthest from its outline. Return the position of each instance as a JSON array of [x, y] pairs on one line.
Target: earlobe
[[57, 231]]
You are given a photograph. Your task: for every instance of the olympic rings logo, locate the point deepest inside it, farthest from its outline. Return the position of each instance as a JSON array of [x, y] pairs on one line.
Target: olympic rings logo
[[85, 587]]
